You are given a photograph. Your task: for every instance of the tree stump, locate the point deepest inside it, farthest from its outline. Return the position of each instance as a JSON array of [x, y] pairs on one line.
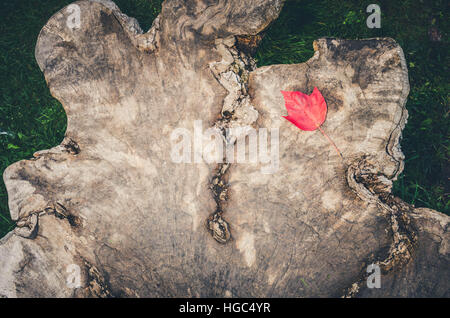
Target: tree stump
[[112, 201]]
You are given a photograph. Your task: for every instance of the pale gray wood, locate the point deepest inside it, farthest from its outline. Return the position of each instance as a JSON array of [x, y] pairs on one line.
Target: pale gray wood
[[110, 199]]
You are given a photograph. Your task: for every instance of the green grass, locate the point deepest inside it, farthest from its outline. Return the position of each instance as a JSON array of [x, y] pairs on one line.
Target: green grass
[[426, 142], [34, 120]]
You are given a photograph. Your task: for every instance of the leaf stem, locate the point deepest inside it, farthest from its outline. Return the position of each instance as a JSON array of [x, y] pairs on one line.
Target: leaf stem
[[332, 142]]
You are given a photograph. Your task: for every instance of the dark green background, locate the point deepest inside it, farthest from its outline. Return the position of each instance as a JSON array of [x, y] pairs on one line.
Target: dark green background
[[36, 121]]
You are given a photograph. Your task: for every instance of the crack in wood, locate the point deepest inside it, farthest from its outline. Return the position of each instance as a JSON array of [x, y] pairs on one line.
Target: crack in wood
[[234, 61], [376, 187]]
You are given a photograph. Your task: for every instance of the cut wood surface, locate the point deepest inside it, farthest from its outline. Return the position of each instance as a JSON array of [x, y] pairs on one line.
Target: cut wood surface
[[112, 201]]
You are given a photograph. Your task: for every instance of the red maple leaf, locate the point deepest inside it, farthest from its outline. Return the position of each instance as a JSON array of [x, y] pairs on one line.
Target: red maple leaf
[[307, 112]]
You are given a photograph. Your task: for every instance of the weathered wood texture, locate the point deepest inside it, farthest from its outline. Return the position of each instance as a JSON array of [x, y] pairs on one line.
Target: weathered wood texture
[[111, 200]]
